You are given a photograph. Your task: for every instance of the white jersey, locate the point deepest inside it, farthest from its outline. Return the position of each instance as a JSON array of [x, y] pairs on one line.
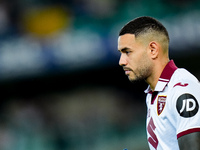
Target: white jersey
[[173, 108]]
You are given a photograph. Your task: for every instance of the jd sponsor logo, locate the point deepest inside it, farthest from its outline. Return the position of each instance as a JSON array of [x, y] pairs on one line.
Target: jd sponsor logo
[[187, 105]]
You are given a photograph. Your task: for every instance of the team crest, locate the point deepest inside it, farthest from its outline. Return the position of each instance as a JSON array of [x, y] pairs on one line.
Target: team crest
[[161, 104]]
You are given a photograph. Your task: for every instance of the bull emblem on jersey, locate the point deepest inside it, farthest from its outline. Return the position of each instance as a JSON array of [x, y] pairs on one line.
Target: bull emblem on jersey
[[161, 104]]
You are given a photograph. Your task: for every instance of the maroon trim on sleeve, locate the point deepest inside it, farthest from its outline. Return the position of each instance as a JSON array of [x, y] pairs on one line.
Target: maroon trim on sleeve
[[188, 132]]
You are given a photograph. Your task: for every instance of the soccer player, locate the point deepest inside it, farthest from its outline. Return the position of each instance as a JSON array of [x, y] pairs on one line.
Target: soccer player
[[173, 94]]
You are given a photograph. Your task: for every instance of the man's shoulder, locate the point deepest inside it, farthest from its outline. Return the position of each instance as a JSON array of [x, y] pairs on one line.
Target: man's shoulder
[[183, 82], [182, 78]]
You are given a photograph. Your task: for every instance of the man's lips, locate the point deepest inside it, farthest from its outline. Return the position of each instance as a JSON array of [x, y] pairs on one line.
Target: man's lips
[[127, 70]]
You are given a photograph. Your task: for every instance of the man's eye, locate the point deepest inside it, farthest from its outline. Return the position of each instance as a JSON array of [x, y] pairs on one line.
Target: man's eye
[[127, 52]]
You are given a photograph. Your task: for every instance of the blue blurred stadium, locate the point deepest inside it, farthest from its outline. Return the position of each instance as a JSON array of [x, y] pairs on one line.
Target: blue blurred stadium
[[61, 86]]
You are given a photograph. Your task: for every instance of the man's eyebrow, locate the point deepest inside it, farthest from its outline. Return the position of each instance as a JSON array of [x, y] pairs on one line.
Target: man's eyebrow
[[123, 49]]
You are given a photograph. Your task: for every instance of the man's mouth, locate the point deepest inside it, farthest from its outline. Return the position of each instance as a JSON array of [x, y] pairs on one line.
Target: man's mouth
[[127, 70]]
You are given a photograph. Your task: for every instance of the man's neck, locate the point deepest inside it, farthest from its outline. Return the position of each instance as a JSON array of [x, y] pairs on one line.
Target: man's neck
[[156, 73]]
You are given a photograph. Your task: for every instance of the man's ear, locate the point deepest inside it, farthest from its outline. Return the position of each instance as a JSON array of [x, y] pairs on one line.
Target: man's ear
[[153, 47]]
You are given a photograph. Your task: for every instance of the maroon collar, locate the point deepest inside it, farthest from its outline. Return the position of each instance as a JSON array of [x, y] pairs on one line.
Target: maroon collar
[[168, 71], [164, 78]]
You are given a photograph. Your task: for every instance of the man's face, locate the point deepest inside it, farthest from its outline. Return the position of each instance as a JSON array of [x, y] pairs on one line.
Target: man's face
[[134, 58]]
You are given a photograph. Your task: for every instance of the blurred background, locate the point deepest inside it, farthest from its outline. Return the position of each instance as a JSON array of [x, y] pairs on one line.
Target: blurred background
[[60, 84]]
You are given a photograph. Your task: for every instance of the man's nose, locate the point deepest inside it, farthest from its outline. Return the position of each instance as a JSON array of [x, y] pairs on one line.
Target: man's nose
[[122, 60]]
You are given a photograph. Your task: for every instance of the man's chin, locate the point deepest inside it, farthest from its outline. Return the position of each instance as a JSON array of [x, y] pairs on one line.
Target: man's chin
[[134, 80]]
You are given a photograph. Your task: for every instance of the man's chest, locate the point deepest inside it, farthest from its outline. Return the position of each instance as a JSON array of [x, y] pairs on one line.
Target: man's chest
[[159, 125]]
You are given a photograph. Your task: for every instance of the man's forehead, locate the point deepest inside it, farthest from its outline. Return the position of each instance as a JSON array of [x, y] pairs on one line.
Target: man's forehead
[[127, 36], [125, 40]]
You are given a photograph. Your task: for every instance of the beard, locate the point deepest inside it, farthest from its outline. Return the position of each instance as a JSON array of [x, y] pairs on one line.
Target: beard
[[140, 74]]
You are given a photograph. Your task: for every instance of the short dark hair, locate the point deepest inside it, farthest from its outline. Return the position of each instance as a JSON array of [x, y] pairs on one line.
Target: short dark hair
[[141, 25]]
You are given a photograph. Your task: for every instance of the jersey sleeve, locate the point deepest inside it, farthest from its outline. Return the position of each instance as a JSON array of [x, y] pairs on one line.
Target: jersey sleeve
[[186, 107]]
